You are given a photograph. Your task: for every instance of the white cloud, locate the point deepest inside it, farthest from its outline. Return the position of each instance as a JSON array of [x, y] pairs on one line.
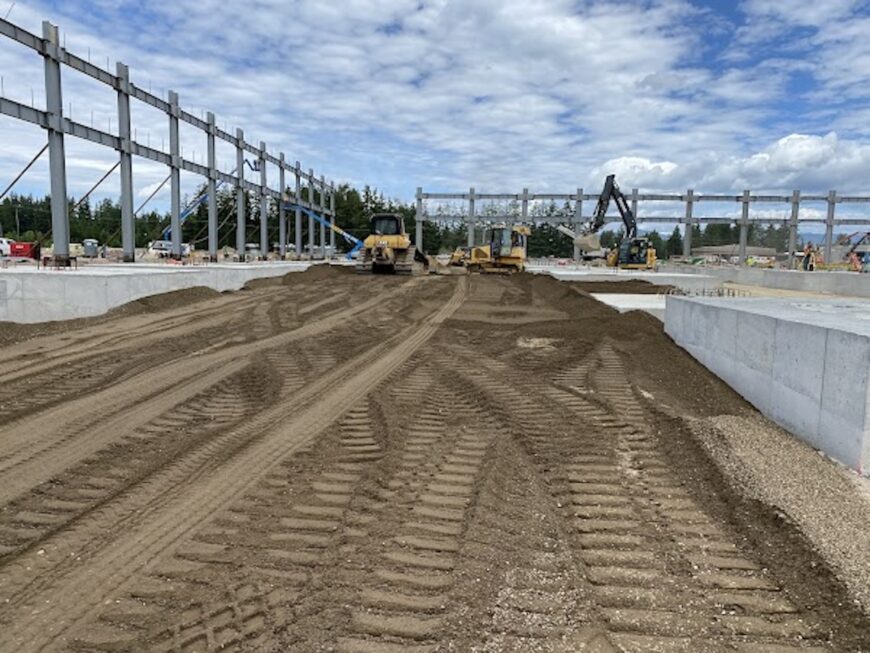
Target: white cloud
[[498, 94]]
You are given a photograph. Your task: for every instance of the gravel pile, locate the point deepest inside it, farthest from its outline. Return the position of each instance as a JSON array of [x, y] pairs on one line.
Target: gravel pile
[[829, 504]]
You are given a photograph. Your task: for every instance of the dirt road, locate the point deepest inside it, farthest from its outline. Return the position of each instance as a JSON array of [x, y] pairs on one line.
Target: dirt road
[[383, 465]]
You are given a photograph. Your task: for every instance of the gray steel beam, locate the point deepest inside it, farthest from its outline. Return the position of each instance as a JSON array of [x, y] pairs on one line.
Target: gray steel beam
[[471, 197], [282, 214], [125, 149], [322, 212], [174, 177], [418, 222], [23, 112], [264, 204], [56, 151], [332, 218], [213, 226], [576, 222], [634, 199], [744, 228], [793, 226], [241, 236], [297, 226], [310, 219], [687, 236], [829, 224]]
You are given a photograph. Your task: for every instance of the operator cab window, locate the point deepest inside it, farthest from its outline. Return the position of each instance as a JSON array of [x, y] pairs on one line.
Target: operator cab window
[[386, 227]]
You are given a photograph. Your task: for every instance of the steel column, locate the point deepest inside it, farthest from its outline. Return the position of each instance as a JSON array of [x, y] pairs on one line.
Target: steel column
[[264, 204], [310, 219], [125, 142], [297, 227], [418, 220], [634, 193], [793, 226], [241, 236], [56, 152], [174, 176], [322, 216], [471, 217], [687, 236], [829, 225], [212, 190], [282, 216], [332, 217], [578, 220], [744, 229]]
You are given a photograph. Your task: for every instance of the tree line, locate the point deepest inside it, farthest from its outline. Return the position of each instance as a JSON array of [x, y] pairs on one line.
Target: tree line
[[28, 218]]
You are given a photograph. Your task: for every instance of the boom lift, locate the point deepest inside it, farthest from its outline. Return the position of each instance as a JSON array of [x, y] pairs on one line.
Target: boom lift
[[634, 252]]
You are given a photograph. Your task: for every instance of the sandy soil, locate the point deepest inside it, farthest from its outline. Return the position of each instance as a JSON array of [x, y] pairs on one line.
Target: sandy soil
[[357, 464]]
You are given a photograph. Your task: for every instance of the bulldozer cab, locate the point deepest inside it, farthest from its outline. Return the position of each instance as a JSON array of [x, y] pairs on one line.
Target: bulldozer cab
[[503, 240], [388, 224]]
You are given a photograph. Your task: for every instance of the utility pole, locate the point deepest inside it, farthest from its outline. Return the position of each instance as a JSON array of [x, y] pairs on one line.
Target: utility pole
[[17, 224]]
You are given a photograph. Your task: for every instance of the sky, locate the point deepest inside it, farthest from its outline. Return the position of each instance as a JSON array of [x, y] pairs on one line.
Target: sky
[[769, 95]]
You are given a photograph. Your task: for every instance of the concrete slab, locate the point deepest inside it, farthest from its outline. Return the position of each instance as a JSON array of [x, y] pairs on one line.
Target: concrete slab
[[688, 282], [29, 295], [804, 363], [623, 302]]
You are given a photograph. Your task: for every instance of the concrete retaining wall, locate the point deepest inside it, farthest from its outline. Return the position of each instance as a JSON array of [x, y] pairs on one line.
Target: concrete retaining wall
[[851, 284], [28, 295], [805, 364]]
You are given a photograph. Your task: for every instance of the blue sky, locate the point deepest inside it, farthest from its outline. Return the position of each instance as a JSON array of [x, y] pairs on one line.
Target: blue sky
[[770, 95]]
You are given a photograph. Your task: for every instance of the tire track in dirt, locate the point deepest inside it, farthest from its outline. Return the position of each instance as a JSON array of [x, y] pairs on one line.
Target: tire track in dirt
[[23, 439], [672, 583], [44, 611]]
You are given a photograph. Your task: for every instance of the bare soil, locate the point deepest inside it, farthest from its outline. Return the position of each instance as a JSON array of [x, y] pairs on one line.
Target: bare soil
[[380, 464]]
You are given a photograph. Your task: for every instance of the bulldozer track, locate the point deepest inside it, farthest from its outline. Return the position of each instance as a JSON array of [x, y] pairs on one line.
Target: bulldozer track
[[433, 465]]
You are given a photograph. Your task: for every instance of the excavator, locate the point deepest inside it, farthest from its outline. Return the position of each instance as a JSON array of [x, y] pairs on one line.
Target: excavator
[[388, 248], [634, 252]]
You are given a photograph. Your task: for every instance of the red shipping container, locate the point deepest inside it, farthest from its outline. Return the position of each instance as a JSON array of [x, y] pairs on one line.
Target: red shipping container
[[24, 250]]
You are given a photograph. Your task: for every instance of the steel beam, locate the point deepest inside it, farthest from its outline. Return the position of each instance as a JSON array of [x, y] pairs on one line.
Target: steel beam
[[829, 225], [418, 221], [322, 215], [264, 204], [332, 217], [471, 197], [241, 236], [297, 227], [212, 191], [56, 150], [687, 236], [310, 219], [125, 152], [793, 226], [174, 177], [577, 222], [282, 214], [744, 228]]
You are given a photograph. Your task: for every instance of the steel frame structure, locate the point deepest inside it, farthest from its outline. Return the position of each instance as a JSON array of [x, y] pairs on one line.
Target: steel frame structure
[[57, 127], [471, 218]]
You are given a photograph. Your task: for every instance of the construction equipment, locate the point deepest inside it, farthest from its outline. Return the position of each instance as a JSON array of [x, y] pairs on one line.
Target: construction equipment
[[355, 243], [388, 248], [589, 246], [634, 252], [506, 250]]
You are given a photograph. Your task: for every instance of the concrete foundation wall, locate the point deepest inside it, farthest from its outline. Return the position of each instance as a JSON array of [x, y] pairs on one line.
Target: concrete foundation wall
[[30, 295], [805, 364], [852, 284]]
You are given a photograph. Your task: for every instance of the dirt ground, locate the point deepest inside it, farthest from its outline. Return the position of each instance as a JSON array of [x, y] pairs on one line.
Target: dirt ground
[[375, 464]]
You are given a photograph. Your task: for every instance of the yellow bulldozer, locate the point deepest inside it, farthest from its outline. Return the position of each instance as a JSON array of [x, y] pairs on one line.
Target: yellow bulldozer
[[505, 251], [388, 248]]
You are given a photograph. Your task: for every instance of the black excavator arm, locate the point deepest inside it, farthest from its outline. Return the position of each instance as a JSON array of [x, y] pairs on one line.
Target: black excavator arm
[[611, 192]]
